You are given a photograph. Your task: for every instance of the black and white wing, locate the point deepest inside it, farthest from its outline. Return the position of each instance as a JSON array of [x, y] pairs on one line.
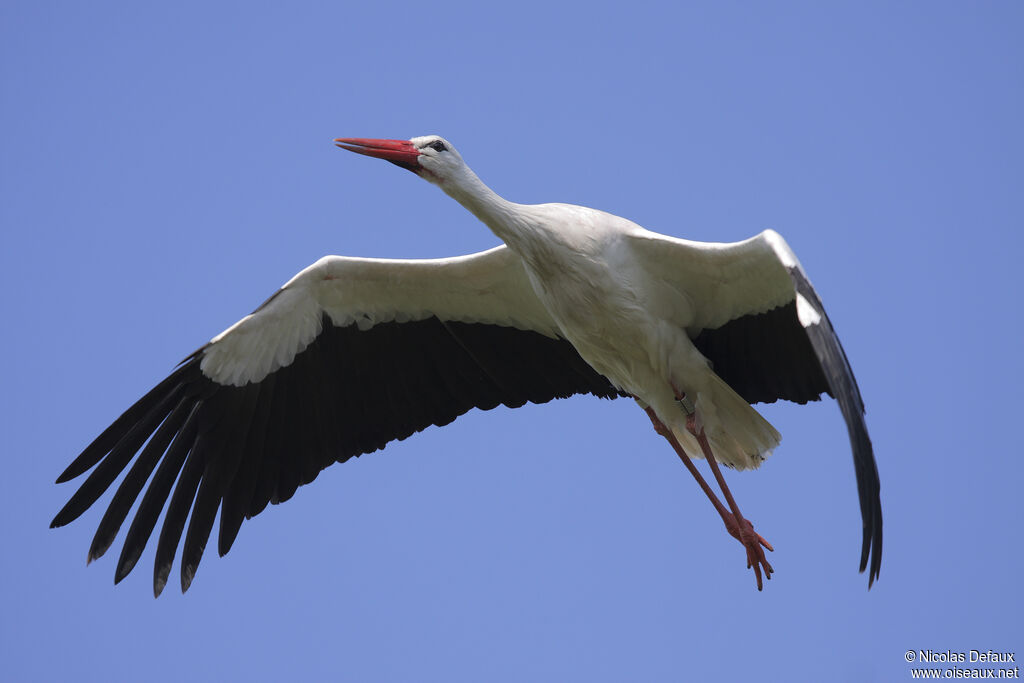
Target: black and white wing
[[349, 355], [762, 325]]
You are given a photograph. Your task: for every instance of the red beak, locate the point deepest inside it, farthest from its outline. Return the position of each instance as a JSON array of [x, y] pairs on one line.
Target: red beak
[[399, 152]]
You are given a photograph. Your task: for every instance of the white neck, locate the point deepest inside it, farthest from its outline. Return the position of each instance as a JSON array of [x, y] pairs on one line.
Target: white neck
[[507, 220]]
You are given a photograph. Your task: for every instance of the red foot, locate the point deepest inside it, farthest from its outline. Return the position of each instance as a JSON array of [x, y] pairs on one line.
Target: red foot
[[752, 541]]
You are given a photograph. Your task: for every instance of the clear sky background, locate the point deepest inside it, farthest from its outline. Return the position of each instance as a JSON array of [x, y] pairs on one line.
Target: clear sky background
[[165, 168]]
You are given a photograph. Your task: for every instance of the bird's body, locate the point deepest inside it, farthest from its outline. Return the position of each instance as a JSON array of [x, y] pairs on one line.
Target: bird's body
[[629, 322], [352, 353]]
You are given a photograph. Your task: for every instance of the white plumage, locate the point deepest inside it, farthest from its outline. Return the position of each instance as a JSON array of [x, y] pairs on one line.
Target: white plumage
[[576, 300]]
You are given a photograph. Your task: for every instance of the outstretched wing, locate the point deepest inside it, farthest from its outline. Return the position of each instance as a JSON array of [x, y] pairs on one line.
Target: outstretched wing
[[347, 356], [762, 325]]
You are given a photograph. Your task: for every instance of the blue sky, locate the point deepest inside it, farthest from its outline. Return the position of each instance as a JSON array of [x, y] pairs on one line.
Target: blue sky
[[166, 168]]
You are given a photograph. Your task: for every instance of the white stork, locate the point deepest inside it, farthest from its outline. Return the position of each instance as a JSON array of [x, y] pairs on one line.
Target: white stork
[[353, 353]]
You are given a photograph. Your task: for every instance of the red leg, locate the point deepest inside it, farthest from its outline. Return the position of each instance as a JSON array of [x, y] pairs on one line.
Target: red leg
[[739, 527], [660, 427]]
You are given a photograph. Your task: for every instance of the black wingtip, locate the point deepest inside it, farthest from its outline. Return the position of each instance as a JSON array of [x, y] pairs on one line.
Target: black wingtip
[[100, 544], [871, 546], [188, 572], [843, 386], [160, 579], [865, 549], [83, 463], [110, 436], [130, 555], [67, 514], [228, 533], [876, 549]]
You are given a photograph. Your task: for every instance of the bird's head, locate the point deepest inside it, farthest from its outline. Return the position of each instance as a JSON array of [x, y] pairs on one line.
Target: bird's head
[[430, 156]]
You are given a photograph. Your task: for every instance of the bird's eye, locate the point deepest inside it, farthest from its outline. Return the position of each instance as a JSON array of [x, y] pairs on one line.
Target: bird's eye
[[438, 146]]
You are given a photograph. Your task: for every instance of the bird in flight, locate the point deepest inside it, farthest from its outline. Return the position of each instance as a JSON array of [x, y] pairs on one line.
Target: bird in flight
[[353, 353]]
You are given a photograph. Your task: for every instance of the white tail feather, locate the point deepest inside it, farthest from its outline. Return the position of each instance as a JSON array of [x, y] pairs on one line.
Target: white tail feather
[[739, 436]]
